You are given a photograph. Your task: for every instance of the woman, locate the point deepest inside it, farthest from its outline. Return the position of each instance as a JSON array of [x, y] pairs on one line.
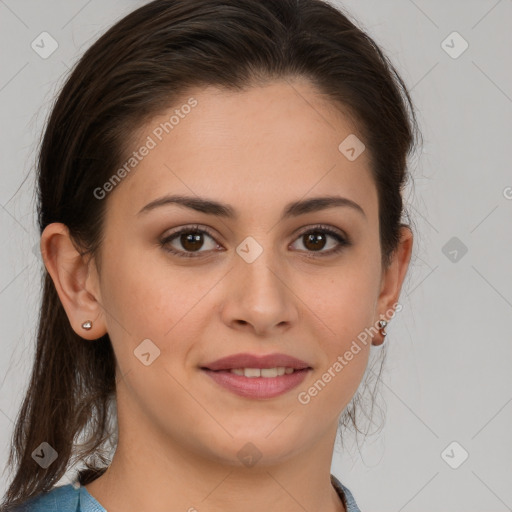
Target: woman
[[220, 214]]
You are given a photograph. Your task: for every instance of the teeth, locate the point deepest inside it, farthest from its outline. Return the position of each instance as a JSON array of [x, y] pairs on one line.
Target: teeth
[[263, 372], [252, 372], [269, 372]]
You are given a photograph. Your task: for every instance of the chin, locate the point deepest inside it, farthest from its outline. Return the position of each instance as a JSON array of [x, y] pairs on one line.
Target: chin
[[250, 447]]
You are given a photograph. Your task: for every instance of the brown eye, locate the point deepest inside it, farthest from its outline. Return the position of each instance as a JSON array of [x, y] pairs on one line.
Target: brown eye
[[191, 240], [187, 242], [316, 239]]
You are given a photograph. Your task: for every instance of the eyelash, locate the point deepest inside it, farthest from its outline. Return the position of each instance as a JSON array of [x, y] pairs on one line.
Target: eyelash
[[342, 241]]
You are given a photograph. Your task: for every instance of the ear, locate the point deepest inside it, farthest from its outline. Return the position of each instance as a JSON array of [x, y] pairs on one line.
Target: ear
[[393, 276], [77, 287]]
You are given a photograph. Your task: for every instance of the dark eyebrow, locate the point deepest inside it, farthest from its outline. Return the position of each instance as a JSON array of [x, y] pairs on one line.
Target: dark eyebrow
[[218, 209]]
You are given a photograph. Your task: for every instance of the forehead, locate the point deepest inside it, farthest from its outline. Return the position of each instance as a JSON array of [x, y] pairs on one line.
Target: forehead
[[256, 149]]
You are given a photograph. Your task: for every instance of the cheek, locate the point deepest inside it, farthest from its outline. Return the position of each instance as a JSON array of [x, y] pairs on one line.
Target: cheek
[[133, 296], [146, 298], [345, 304], [345, 299], [345, 311]]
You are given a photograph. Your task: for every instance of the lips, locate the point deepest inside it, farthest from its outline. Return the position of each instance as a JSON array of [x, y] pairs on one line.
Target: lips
[[257, 377], [253, 361]]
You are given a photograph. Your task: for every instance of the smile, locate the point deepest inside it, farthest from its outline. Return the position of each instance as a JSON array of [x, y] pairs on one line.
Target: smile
[[258, 383]]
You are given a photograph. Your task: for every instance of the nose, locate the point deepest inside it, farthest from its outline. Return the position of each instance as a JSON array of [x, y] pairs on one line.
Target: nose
[[259, 297]]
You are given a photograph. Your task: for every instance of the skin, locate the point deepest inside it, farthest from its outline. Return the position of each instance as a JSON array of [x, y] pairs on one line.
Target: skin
[[179, 432]]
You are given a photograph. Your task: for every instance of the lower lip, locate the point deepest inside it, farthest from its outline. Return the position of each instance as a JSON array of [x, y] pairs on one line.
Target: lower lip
[[257, 387]]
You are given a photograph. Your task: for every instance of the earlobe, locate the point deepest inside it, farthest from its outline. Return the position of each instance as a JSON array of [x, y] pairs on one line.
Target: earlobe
[[393, 277], [69, 272]]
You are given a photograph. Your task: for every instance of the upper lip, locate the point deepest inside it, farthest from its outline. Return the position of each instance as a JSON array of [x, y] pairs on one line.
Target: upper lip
[[254, 361]]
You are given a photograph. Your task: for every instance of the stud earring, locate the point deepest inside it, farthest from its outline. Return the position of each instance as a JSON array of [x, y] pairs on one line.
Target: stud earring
[[382, 325], [87, 325]]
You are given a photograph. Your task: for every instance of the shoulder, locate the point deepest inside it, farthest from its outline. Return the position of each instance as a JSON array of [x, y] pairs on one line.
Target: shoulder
[[346, 496], [59, 499]]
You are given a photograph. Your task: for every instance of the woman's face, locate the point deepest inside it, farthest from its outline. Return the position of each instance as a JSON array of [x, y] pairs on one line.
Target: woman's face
[[250, 280]]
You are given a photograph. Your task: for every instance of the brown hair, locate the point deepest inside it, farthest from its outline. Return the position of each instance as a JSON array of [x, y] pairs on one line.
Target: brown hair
[[137, 69]]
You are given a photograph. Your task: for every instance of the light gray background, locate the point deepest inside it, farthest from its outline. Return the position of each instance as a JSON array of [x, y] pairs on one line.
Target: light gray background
[[448, 373]]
